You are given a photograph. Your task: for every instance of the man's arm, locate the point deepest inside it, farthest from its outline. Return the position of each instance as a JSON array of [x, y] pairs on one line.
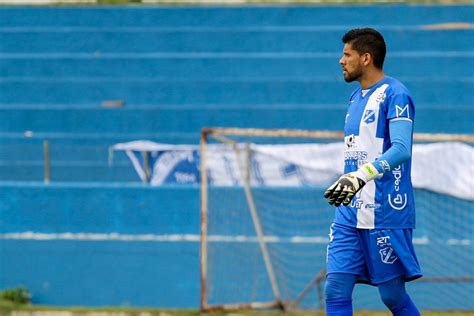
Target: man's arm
[[344, 189], [401, 132]]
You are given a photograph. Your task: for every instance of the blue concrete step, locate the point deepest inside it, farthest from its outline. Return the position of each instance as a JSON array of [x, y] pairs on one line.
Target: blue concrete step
[[219, 66], [437, 92], [69, 172], [159, 120], [195, 41], [146, 16], [59, 152], [190, 121], [93, 139], [173, 92]]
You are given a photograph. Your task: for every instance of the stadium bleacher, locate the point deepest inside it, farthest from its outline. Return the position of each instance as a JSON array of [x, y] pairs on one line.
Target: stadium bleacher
[[178, 69]]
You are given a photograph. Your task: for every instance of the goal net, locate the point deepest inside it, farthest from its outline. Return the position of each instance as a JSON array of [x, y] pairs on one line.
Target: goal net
[[265, 224]]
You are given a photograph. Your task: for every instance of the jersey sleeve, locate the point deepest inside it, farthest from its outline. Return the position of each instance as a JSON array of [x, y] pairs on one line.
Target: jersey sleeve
[[400, 107], [401, 135]]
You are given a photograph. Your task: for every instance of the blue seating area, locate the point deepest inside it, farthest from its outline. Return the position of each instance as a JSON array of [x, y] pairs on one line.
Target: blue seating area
[[178, 69]]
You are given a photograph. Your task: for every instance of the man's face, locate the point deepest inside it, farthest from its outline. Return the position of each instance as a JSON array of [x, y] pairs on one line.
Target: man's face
[[351, 63]]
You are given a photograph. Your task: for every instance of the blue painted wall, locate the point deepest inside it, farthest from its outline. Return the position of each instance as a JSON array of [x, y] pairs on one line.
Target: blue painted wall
[[95, 273], [166, 273]]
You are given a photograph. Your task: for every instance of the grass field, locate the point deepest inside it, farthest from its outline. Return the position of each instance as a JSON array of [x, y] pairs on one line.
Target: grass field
[[10, 309]]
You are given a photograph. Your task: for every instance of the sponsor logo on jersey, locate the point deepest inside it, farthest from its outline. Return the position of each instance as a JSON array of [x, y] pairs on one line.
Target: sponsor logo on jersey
[[353, 157], [397, 201], [349, 141], [400, 112], [385, 165], [375, 205], [381, 97], [357, 203], [383, 241]]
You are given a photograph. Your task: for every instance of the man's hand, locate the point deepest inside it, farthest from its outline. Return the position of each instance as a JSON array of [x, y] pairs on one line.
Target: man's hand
[[344, 189]]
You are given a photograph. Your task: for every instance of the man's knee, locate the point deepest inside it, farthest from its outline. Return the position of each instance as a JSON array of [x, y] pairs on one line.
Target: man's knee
[[339, 286], [392, 292], [389, 300]]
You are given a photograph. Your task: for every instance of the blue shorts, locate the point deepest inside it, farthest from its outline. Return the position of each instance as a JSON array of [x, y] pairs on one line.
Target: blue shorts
[[374, 255]]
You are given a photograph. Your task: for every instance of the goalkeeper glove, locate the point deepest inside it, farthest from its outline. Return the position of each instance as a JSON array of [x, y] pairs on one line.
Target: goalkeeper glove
[[344, 189]]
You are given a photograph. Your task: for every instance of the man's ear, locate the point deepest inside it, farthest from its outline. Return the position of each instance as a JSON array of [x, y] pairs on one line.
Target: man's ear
[[366, 59]]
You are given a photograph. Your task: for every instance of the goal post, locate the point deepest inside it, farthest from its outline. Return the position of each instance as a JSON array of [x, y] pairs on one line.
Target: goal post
[[237, 141], [264, 223]]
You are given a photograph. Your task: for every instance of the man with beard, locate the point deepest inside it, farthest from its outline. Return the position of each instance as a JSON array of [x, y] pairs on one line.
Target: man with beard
[[371, 235]]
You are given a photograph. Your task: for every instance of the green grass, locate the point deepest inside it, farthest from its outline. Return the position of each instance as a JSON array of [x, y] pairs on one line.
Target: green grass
[[6, 309]]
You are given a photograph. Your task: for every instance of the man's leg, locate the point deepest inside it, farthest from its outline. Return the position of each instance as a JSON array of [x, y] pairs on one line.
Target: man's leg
[[338, 294], [395, 297], [345, 265]]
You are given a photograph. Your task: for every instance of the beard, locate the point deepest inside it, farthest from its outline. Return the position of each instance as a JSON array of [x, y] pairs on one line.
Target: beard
[[353, 76]]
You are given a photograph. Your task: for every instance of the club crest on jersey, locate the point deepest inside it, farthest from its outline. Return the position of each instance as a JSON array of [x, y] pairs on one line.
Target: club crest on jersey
[[369, 116], [387, 255]]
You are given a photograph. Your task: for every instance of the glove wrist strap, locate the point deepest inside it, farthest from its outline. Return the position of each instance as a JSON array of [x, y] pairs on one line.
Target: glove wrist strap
[[368, 172]]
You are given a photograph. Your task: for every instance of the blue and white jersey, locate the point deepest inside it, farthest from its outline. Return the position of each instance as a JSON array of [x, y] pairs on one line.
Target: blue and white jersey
[[386, 202]]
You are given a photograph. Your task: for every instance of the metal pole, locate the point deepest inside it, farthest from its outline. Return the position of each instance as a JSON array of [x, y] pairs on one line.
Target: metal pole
[[47, 163], [146, 167], [315, 282], [245, 172], [203, 248]]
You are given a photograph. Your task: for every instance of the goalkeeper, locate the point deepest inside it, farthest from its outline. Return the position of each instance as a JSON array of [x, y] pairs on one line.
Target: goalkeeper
[[371, 236]]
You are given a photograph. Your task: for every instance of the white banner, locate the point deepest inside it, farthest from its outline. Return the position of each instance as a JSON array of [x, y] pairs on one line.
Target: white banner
[[446, 168]]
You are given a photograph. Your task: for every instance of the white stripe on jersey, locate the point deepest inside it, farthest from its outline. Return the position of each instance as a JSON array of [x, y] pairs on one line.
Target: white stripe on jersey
[[401, 119], [368, 140]]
